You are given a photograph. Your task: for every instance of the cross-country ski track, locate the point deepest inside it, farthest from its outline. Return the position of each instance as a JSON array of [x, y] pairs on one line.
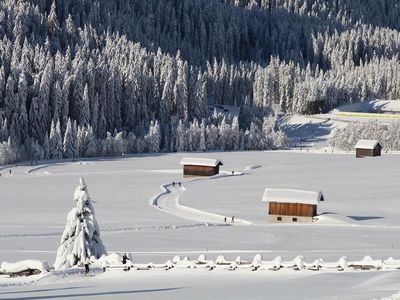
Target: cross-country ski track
[[169, 201]]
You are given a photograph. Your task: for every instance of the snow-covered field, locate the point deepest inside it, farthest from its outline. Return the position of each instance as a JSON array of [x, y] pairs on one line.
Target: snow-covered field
[[360, 217]]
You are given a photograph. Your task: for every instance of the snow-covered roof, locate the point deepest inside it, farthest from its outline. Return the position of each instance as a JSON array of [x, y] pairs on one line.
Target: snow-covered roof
[[209, 162], [366, 144], [292, 196]]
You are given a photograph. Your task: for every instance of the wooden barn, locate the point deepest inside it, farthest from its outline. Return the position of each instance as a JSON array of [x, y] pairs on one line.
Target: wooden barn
[[291, 206], [366, 148], [200, 166]]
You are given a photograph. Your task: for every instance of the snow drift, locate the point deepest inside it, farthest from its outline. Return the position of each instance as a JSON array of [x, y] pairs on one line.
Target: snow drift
[[20, 266]]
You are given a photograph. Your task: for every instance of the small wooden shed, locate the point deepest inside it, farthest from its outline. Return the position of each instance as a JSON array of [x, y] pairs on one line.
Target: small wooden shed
[[200, 166], [291, 206], [366, 148]]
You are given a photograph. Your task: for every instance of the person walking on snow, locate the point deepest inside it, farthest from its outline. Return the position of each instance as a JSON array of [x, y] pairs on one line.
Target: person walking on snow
[[233, 219], [87, 266], [124, 259]]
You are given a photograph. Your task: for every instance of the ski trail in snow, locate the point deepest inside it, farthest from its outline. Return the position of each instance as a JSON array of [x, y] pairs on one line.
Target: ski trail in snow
[[168, 201], [112, 230], [36, 169], [181, 227]]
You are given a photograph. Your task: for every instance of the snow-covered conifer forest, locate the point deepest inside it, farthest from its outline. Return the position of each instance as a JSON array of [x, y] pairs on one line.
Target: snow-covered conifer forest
[[85, 81], [86, 78]]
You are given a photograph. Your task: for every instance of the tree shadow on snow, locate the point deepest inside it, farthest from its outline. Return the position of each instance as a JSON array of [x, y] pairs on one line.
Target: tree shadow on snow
[[355, 218], [310, 131], [327, 213], [45, 290], [364, 218], [111, 293]]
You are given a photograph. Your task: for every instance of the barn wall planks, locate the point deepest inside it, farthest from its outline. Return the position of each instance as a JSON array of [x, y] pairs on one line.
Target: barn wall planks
[[190, 170], [368, 152], [292, 209], [364, 152]]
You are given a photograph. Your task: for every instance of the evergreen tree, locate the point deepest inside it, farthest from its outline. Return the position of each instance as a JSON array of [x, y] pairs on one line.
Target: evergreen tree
[[80, 240], [180, 137], [34, 119], [69, 145], [181, 89], [84, 112], [23, 122], [91, 147], [202, 143], [46, 147], [55, 141], [153, 138]]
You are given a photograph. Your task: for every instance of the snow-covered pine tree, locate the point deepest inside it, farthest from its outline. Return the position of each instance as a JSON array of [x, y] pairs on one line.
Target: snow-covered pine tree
[[132, 143], [194, 136], [22, 112], [55, 141], [200, 109], [81, 237], [211, 137], [153, 138], [91, 146], [56, 101], [68, 144], [37, 152], [140, 145], [81, 140], [202, 143], [180, 137], [120, 144], [235, 134], [224, 134], [84, 108], [46, 147], [75, 138], [7, 152], [180, 88], [4, 131]]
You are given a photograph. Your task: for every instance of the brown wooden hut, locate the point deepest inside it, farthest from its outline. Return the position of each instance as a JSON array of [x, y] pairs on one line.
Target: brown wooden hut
[[365, 148], [291, 206], [200, 166]]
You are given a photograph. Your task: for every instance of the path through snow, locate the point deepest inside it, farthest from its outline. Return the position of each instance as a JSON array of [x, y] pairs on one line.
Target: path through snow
[[168, 201]]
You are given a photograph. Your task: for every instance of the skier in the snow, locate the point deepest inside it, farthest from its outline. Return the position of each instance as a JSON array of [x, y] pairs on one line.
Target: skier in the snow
[[124, 259], [173, 183], [233, 219]]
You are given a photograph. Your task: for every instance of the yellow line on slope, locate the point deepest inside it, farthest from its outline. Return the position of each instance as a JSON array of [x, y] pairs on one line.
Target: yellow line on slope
[[368, 115]]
